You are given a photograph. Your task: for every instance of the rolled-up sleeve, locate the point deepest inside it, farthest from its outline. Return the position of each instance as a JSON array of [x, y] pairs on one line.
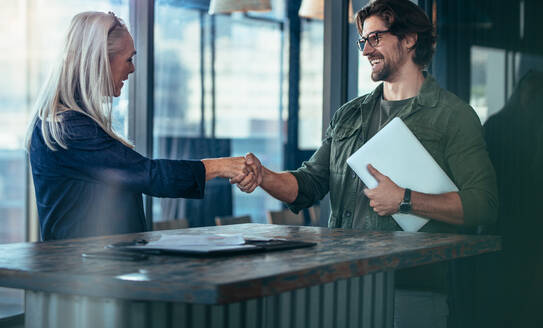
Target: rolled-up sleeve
[[471, 169]]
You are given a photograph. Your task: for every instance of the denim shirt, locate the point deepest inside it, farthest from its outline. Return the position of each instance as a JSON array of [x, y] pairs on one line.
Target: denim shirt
[[95, 186], [446, 126]]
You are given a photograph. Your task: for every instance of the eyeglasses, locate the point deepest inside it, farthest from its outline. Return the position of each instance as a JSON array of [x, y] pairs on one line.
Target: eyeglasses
[[373, 39]]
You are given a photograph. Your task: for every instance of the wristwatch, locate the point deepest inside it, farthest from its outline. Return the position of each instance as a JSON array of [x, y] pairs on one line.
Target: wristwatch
[[405, 205]]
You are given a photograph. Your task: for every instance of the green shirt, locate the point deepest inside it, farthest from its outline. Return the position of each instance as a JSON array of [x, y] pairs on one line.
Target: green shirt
[[447, 127]]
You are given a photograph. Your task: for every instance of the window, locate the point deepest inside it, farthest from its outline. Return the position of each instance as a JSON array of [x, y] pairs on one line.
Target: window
[[311, 83], [488, 89], [218, 92], [365, 83]]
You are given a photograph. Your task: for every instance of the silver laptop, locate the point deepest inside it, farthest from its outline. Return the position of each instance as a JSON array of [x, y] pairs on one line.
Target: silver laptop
[[398, 154]]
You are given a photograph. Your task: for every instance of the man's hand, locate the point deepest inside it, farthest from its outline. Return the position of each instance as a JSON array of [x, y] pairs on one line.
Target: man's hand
[[248, 183], [386, 197]]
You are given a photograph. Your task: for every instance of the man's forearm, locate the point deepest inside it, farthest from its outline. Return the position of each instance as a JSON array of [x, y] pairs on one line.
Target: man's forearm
[[443, 207], [385, 199], [282, 186]]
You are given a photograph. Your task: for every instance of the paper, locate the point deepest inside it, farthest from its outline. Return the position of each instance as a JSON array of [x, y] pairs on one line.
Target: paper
[[196, 243], [198, 240]]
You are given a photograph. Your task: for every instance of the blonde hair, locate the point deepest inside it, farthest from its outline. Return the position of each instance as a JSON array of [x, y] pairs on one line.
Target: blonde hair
[[82, 80]]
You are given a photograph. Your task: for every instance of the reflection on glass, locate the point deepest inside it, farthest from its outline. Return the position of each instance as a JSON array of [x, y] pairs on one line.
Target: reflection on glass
[[32, 32]]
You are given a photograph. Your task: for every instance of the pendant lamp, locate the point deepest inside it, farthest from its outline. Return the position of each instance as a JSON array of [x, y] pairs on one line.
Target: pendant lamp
[[315, 9], [228, 6]]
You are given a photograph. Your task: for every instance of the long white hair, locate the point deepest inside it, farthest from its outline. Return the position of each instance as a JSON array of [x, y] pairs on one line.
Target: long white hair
[[82, 80]]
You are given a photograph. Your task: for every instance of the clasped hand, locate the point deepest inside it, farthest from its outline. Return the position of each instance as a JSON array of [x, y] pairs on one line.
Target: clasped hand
[[250, 176]]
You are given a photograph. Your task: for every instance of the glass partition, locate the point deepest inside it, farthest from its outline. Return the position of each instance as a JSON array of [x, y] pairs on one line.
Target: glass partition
[[218, 92], [221, 89]]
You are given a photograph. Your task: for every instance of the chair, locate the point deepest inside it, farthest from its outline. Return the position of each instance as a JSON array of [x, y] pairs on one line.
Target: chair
[[285, 217], [227, 220], [171, 224], [315, 215]]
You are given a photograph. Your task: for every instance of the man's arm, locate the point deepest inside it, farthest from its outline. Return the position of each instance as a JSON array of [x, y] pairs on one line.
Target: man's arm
[[280, 185], [443, 207], [387, 196], [299, 188]]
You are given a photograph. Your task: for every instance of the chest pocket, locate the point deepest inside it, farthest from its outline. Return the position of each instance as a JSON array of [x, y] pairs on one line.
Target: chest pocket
[[343, 141], [432, 140]]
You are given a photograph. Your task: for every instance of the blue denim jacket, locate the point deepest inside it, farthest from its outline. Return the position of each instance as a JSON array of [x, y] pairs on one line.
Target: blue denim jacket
[[95, 186]]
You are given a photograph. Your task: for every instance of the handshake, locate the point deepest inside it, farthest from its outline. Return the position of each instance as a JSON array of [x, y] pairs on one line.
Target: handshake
[[244, 171], [250, 174]]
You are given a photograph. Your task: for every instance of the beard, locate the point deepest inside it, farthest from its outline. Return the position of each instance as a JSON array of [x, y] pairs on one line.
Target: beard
[[383, 74], [390, 66]]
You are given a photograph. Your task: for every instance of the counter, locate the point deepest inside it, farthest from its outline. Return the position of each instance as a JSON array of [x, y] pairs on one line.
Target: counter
[[345, 281]]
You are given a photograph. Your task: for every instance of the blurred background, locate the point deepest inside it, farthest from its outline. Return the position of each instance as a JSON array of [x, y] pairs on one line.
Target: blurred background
[[266, 82]]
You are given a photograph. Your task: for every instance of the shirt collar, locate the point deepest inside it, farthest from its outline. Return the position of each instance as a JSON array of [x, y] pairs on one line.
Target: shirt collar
[[428, 95], [429, 92]]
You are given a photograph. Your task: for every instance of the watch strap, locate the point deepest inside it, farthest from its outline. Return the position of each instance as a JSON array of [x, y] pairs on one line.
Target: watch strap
[[405, 205], [407, 195]]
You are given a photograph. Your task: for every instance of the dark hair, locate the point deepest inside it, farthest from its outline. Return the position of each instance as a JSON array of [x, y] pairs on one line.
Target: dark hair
[[403, 17]]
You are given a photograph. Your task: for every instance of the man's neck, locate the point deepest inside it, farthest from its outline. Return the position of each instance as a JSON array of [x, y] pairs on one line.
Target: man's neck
[[406, 84]]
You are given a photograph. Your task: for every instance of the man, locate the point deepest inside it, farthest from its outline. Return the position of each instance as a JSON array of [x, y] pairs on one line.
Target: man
[[398, 39]]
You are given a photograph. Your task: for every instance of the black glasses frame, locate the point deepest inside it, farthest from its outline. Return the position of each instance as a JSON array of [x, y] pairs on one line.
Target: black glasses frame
[[373, 39]]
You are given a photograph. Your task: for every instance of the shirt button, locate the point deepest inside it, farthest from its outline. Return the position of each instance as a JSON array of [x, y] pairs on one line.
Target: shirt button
[[348, 214], [353, 175]]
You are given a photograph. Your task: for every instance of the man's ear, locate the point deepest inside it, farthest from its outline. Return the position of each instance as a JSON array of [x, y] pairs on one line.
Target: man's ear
[[411, 40]]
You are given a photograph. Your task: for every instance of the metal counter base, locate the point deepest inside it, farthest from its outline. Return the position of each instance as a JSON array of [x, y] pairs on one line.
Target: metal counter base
[[366, 301]]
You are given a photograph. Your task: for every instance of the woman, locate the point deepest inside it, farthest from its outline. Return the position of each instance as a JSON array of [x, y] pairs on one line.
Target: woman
[[88, 180]]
